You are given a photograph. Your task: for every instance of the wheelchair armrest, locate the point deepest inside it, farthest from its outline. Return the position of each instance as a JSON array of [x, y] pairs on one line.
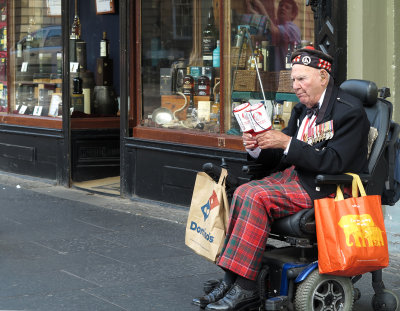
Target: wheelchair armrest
[[252, 169], [214, 172], [339, 179]]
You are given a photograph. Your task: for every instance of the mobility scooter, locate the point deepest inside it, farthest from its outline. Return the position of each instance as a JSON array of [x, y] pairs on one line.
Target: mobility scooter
[[289, 278]]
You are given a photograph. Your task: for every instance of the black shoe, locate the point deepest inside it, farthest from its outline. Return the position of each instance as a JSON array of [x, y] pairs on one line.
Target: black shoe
[[216, 294], [236, 299]]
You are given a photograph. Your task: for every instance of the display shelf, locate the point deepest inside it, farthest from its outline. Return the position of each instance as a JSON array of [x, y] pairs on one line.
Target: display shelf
[[268, 95], [251, 95], [291, 97]]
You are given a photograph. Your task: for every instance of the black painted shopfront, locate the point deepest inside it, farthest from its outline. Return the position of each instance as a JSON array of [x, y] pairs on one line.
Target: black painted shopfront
[[154, 147]]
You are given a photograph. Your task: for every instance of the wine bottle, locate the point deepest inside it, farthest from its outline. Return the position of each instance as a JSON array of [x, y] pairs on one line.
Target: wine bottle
[[209, 40], [188, 83], [104, 46]]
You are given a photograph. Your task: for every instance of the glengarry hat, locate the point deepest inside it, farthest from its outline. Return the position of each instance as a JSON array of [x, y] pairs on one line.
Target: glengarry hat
[[309, 56]]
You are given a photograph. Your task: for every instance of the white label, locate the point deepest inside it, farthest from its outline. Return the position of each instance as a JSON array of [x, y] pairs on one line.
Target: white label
[[22, 109], [37, 111], [24, 67], [73, 66], [103, 48], [203, 111], [86, 100]]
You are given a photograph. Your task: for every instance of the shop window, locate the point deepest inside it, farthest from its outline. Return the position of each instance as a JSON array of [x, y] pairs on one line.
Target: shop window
[[3, 56], [35, 54], [195, 70]]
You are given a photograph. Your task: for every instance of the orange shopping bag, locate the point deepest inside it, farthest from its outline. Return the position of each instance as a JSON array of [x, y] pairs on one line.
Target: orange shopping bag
[[351, 233]]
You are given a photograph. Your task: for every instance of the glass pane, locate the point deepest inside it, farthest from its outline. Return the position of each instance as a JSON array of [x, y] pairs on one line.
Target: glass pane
[[180, 65], [263, 35], [3, 56], [35, 58]]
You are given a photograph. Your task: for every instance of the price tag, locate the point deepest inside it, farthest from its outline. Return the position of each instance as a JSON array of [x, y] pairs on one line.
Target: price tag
[[73, 66], [24, 67], [37, 111], [22, 109]]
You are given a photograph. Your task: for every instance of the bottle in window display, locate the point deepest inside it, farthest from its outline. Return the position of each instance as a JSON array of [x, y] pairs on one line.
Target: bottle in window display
[[76, 25], [251, 63], [215, 108], [104, 46], [288, 63], [77, 97], [203, 87], [259, 57], [75, 34], [104, 64], [188, 83], [191, 110], [216, 56], [209, 40], [278, 123]]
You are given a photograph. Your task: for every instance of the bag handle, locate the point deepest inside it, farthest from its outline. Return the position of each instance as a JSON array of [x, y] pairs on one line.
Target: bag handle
[[339, 194], [357, 185], [223, 175]]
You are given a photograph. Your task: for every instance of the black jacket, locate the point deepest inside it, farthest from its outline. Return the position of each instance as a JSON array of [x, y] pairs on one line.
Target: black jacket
[[345, 152]]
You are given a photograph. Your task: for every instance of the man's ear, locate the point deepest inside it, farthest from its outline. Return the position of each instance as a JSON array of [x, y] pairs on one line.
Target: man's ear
[[324, 76]]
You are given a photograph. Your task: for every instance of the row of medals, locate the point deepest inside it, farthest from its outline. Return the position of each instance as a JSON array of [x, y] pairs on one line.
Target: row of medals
[[318, 133]]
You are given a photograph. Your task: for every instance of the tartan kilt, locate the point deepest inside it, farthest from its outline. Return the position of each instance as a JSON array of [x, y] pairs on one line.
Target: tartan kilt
[[254, 207]]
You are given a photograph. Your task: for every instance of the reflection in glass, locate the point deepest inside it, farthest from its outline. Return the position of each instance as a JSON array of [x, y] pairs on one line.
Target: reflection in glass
[[180, 65], [264, 35], [35, 58]]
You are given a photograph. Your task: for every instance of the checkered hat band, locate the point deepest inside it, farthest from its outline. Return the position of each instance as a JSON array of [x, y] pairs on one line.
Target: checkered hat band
[[312, 61]]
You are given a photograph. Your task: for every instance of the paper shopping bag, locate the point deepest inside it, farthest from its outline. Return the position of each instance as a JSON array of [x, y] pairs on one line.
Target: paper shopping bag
[[208, 216], [351, 233]]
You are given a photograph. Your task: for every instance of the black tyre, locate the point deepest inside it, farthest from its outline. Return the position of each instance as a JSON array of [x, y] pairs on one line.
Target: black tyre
[[324, 292], [385, 301]]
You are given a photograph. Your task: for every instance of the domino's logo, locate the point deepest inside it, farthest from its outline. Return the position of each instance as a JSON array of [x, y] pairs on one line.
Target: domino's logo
[[211, 203]]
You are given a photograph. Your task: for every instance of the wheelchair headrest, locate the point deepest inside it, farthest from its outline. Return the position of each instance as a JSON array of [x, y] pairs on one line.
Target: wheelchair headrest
[[366, 91]]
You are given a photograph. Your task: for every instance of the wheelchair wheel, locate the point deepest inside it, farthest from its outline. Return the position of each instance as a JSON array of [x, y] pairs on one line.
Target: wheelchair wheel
[[385, 301], [320, 292]]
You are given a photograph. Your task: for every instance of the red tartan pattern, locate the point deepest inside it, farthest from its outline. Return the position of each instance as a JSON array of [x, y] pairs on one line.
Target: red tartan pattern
[[254, 206], [325, 65]]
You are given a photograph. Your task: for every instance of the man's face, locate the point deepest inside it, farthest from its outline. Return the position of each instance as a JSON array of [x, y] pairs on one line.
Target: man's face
[[307, 84], [285, 12]]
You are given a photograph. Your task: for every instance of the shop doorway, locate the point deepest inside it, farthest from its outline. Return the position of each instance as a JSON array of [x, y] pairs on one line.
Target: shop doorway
[[95, 91]]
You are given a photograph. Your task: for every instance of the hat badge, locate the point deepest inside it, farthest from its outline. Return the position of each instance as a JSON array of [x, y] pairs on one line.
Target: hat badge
[[306, 60]]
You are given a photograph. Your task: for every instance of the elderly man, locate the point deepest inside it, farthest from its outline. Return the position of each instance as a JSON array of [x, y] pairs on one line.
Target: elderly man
[[327, 133]]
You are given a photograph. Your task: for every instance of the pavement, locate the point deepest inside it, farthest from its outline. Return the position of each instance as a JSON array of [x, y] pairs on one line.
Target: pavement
[[68, 249]]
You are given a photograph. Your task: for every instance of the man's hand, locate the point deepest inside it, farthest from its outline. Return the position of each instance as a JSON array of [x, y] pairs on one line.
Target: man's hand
[[249, 141], [273, 139]]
